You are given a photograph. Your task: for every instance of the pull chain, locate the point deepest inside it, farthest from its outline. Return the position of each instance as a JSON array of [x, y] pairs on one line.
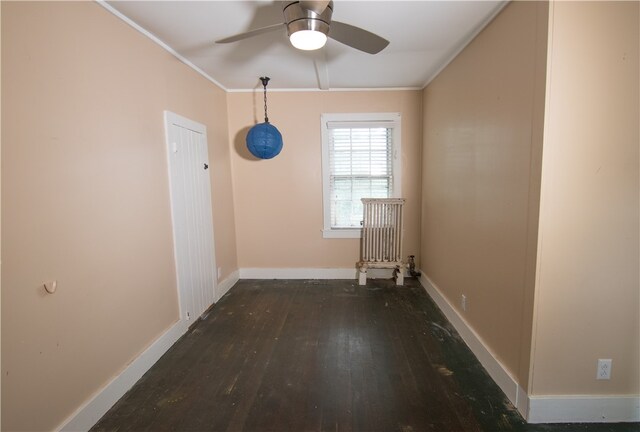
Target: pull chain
[[265, 81]]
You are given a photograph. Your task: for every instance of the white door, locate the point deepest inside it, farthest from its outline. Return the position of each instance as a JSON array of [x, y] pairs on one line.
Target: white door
[[191, 214]]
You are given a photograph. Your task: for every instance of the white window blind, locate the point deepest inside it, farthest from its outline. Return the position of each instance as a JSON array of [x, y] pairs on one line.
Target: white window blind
[[360, 159], [360, 166]]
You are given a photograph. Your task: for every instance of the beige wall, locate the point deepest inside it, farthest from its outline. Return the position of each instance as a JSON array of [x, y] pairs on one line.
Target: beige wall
[[85, 201], [481, 170], [587, 298], [279, 201], [85, 194]]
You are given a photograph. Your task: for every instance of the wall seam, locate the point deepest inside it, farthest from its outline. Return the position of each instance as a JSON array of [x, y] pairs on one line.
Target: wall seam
[[542, 211], [532, 233]]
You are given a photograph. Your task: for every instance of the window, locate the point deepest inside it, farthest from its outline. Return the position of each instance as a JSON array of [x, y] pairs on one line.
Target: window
[[360, 159]]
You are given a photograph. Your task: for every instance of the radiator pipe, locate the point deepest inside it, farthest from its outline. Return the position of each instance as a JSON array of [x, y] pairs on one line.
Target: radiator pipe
[[412, 266]]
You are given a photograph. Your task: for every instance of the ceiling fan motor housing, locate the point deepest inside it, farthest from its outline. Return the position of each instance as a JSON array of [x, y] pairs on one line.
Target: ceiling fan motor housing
[[298, 18]]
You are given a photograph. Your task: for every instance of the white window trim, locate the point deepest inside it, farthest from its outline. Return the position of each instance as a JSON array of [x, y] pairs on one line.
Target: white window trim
[[395, 119]]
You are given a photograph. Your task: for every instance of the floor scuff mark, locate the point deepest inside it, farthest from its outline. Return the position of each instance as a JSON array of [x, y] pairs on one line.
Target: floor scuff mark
[[438, 331]]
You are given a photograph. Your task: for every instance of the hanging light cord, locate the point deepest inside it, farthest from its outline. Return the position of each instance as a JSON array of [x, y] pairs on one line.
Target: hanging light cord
[[265, 81]]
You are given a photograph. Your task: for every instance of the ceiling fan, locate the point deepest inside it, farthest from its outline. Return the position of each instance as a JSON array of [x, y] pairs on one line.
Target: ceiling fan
[[308, 25]]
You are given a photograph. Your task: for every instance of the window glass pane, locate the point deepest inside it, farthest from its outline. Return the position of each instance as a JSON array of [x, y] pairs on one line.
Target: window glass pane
[[361, 166]]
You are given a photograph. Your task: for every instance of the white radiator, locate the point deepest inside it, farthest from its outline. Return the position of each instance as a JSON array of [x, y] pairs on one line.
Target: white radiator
[[381, 245]]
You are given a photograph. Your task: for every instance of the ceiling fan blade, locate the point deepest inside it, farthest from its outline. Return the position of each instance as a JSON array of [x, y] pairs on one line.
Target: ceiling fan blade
[[317, 6], [251, 33], [357, 38]]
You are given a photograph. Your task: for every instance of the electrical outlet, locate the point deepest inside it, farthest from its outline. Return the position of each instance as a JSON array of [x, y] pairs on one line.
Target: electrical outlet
[[463, 302], [604, 369]]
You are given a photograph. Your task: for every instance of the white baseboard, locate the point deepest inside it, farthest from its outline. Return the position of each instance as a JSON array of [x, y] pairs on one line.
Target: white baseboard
[[88, 414], [494, 367], [522, 402], [583, 409], [537, 409], [298, 273], [311, 273], [225, 285]]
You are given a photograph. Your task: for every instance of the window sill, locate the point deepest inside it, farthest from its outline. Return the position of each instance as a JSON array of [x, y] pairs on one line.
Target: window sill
[[342, 233]]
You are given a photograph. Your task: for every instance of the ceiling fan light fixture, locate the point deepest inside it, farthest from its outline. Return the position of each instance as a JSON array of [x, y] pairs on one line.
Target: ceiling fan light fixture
[[308, 22], [307, 29], [308, 40]]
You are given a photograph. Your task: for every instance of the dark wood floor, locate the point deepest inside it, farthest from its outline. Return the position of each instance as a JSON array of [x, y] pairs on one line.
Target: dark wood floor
[[321, 356]]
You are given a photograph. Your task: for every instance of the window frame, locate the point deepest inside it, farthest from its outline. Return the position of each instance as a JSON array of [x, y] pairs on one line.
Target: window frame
[[390, 119]]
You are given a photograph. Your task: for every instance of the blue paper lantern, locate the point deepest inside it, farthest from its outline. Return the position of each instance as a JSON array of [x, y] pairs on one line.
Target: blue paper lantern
[[264, 141]]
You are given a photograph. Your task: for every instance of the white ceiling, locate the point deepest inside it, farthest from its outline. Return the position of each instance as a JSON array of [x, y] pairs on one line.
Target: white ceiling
[[424, 36]]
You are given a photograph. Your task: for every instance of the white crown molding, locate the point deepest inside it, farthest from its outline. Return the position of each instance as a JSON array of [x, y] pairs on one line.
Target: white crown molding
[[173, 52], [188, 63], [337, 90], [155, 39], [470, 37]]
